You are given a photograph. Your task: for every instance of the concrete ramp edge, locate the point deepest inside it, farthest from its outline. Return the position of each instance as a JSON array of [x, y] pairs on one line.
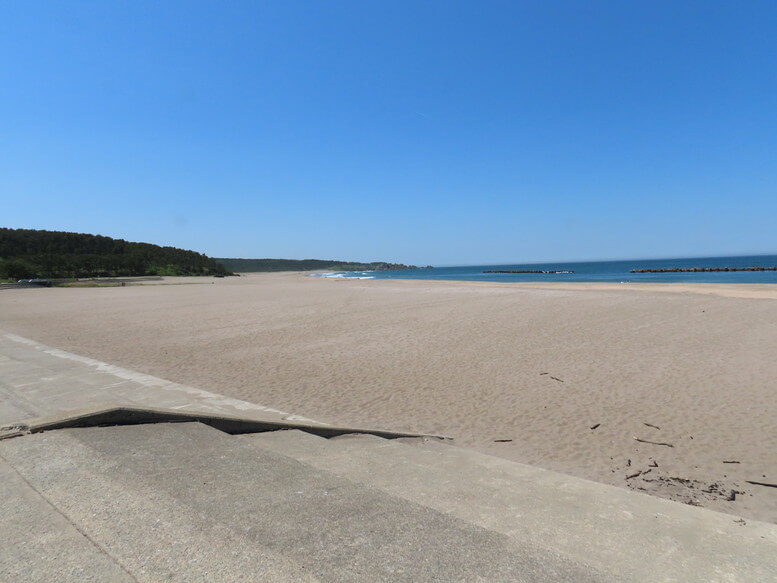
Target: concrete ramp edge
[[102, 416]]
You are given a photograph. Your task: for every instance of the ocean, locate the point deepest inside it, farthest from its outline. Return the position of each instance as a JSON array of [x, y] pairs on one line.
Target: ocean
[[591, 271]]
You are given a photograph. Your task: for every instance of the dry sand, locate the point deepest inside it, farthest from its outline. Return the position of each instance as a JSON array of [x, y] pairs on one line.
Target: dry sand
[[522, 371]]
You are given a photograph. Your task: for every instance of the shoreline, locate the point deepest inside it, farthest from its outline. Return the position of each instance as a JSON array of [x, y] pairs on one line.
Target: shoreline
[[557, 375], [731, 290]]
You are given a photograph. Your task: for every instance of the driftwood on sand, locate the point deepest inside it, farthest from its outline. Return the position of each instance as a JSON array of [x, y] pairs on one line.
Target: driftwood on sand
[[652, 442], [767, 484]]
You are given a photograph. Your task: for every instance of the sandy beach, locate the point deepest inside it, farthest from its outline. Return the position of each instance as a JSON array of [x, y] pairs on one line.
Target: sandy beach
[[562, 376]]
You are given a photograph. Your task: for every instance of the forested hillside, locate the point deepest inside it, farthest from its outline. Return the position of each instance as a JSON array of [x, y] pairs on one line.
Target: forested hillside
[[27, 253], [254, 265]]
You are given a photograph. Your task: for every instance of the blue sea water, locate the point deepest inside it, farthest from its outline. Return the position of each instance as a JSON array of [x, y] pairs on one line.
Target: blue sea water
[[591, 271]]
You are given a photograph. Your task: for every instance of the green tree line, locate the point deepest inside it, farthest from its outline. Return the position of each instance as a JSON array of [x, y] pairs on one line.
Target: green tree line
[[28, 253]]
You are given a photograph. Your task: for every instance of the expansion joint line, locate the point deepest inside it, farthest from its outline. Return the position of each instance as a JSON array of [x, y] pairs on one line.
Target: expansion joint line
[[70, 521]]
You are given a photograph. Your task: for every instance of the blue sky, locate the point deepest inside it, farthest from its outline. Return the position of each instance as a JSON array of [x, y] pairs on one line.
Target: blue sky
[[421, 132]]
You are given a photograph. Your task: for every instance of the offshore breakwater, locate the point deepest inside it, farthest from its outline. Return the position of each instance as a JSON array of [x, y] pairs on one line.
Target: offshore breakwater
[[526, 271], [702, 269]]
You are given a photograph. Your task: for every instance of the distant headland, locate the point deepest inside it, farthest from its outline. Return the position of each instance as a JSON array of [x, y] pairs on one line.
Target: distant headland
[[260, 265]]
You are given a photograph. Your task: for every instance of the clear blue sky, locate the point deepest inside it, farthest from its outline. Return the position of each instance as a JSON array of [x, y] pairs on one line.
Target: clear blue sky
[[436, 132]]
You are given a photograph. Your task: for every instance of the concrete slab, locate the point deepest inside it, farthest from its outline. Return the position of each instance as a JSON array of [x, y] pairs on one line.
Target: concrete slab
[[144, 528], [638, 536], [305, 446], [40, 544], [185, 502]]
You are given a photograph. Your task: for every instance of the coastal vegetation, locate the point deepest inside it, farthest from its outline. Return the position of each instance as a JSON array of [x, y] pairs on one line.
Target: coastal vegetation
[[257, 265], [28, 253]]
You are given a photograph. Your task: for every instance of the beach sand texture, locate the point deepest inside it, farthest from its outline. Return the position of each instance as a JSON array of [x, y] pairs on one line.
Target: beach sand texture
[[559, 376]]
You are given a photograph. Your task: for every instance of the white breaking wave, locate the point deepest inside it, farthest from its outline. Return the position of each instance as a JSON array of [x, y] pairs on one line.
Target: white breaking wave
[[344, 275]]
